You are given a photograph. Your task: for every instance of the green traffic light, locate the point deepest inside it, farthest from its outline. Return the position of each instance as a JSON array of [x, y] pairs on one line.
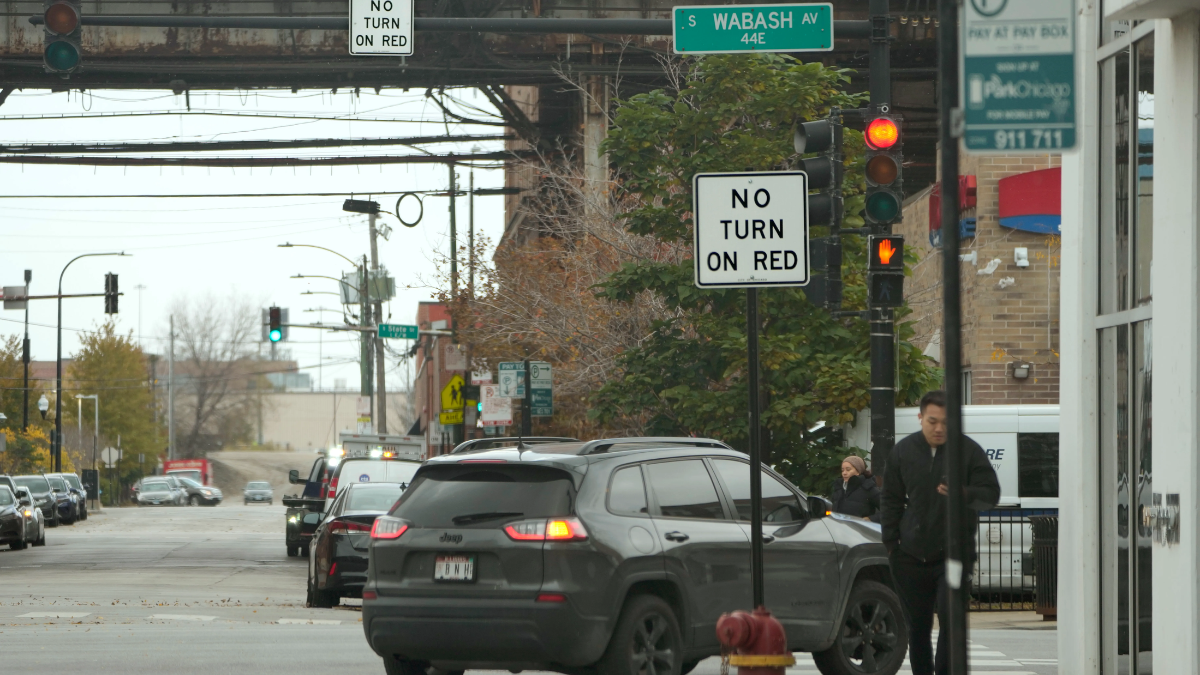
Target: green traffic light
[[883, 207], [276, 334], [62, 56]]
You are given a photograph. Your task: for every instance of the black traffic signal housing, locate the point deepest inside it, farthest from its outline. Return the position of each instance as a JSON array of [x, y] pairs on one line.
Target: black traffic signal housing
[[274, 324], [111, 293], [885, 270], [62, 52], [884, 169], [824, 171]]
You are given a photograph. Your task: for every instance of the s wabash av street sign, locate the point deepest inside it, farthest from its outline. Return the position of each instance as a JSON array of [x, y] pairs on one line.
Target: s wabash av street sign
[[1017, 78], [751, 229], [738, 29]]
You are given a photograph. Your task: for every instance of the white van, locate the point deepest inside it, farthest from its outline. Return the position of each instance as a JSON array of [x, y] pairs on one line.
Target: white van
[[1022, 443]]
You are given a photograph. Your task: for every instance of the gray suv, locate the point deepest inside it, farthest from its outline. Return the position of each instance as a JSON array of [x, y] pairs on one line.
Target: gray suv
[[616, 556]]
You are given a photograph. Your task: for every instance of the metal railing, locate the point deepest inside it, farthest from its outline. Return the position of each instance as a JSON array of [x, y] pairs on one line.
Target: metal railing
[[1004, 575]]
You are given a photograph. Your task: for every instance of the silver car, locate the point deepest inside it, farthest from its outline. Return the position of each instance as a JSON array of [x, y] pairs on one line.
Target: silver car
[[258, 492], [35, 522], [157, 492]]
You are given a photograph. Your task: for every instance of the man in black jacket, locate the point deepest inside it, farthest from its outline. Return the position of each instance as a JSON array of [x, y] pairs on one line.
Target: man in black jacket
[[913, 516]]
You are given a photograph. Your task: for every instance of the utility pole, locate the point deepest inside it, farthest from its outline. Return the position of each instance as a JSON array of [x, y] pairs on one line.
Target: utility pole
[[25, 357], [882, 320], [365, 388], [380, 369], [457, 431], [171, 392]]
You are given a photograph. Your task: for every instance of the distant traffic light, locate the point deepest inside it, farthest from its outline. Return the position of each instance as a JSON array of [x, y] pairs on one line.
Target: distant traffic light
[[111, 293], [884, 170], [62, 53], [886, 253], [275, 323], [824, 172]]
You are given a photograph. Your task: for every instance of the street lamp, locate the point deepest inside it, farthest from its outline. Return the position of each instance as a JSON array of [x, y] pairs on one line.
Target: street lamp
[[43, 406], [57, 455]]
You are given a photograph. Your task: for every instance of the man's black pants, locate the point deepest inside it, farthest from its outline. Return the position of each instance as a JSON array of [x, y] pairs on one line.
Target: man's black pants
[[922, 589]]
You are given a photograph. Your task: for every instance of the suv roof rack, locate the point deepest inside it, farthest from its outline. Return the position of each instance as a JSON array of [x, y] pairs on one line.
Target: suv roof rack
[[603, 445], [492, 443]]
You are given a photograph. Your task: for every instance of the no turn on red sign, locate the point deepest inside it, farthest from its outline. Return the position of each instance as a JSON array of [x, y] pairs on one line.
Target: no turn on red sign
[[381, 27], [751, 229]]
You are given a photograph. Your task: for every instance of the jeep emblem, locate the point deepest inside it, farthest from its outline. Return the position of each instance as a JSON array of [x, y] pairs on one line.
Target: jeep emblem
[[451, 538]]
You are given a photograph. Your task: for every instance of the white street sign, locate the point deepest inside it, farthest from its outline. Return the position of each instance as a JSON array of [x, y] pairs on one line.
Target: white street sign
[[481, 377], [751, 229], [110, 456], [456, 358], [497, 409], [381, 27]]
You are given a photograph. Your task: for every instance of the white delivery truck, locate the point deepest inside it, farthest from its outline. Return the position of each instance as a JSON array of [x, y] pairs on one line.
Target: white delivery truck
[[1021, 441]]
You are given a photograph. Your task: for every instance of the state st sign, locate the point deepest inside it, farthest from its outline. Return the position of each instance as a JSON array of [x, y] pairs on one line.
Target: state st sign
[[751, 229]]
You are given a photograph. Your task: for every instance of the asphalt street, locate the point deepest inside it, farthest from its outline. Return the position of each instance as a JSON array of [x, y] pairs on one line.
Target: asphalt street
[[211, 590]]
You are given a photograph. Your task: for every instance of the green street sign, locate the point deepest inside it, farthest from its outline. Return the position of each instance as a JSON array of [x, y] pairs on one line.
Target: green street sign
[[398, 330], [739, 29], [1018, 76]]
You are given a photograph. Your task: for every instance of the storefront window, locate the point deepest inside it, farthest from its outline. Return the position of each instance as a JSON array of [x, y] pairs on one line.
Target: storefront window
[[1144, 213], [1114, 185]]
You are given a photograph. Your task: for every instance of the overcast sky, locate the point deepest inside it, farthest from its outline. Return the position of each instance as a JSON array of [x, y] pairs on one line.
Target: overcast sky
[[223, 246]]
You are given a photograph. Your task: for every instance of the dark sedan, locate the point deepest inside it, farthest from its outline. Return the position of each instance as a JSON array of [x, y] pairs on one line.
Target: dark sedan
[[337, 563], [56, 507], [12, 520], [64, 493]]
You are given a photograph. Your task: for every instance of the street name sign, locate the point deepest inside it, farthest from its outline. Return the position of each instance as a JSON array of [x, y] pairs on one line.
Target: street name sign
[[738, 29], [497, 409], [751, 229], [381, 27], [398, 330], [1017, 80]]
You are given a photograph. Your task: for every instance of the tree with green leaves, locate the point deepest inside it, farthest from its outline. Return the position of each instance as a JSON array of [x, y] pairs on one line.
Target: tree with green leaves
[[689, 375]]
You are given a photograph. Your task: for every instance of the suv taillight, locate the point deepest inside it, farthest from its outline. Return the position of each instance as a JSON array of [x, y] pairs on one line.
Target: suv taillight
[[550, 529], [347, 526], [386, 527]]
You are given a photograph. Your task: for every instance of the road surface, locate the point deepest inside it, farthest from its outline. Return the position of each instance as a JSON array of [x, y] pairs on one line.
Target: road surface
[[197, 590]]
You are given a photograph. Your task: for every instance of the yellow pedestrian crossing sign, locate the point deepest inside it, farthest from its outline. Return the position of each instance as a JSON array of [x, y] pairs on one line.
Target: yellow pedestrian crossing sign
[[453, 394]]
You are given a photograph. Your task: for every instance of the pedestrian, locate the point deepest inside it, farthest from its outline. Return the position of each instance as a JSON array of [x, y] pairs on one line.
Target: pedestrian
[[856, 493], [914, 526]]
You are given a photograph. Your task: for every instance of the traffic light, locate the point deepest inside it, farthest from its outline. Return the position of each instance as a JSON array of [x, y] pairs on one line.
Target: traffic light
[[885, 169], [275, 324], [62, 21], [110, 293], [824, 172], [885, 270]]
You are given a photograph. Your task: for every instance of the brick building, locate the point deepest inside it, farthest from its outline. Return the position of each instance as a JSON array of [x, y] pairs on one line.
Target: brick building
[[1010, 320]]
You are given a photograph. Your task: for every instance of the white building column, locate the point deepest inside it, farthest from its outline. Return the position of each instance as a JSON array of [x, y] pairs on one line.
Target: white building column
[[1079, 482], [1175, 282]]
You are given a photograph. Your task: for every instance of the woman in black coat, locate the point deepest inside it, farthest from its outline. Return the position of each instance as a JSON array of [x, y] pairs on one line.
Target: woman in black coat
[[856, 493]]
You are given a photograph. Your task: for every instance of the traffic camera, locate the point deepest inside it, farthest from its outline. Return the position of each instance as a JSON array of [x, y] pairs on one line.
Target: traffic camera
[[62, 20]]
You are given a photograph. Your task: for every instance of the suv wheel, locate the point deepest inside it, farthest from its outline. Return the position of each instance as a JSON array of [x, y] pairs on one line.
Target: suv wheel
[[394, 666], [873, 636], [195, 501], [320, 598], [646, 641]]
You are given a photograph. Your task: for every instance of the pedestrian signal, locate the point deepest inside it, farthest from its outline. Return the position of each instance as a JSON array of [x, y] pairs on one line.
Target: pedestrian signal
[[885, 289], [886, 253]]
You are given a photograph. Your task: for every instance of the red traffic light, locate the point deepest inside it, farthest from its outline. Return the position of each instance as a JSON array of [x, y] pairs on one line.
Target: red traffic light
[[61, 18], [882, 133]]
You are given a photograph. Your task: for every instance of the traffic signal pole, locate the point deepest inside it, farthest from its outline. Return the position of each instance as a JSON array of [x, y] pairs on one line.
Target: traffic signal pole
[[883, 327]]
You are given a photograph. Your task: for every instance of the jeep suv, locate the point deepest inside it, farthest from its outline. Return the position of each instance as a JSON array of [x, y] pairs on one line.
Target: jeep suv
[[617, 556]]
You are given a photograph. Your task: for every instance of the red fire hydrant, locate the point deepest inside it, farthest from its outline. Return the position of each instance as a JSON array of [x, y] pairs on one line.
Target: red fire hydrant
[[758, 641]]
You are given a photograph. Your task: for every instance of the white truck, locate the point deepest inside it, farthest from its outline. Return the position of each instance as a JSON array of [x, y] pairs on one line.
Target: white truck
[[374, 458]]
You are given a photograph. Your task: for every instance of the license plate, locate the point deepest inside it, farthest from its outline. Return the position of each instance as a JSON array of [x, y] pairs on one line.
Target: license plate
[[454, 568]]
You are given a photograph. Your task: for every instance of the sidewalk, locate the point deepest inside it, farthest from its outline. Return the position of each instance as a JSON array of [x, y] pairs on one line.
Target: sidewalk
[[1009, 621]]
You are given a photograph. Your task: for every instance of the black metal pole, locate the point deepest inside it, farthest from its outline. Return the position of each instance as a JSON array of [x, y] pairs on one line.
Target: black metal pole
[[25, 357], [756, 533], [526, 407], [883, 328], [952, 330]]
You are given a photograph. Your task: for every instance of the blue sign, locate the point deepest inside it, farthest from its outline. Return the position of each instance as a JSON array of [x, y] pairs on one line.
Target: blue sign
[[364, 478]]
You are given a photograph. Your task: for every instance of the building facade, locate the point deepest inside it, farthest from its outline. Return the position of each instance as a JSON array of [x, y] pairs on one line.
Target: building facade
[[1129, 565]]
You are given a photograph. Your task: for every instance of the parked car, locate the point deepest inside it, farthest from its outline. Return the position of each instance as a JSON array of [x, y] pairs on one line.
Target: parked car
[[337, 561], [156, 491], [258, 492], [197, 494], [369, 470], [35, 522], [587, 556], [177, 489], [77, 487], [43, 497], [7, 481], [12, 520], [68, 498]]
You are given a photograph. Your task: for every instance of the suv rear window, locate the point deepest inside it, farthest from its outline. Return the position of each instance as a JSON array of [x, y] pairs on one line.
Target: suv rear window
[[441, 494]]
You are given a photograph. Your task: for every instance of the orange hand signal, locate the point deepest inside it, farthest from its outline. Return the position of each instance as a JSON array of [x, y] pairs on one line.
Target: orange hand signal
[[886, 251]]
